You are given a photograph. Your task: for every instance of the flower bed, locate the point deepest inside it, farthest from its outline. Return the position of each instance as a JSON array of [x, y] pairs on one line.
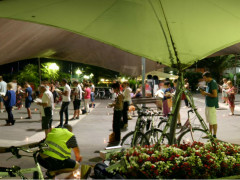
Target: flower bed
[[195, 160]]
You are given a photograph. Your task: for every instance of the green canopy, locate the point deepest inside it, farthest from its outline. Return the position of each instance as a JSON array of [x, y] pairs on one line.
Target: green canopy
[[159, 30]]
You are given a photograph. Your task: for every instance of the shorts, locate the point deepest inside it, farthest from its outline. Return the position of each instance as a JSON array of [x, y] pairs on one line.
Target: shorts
[[46, 122], [1, 99], [27, 103], [76, 104], [211, 116], [92, 96], [53, 164]]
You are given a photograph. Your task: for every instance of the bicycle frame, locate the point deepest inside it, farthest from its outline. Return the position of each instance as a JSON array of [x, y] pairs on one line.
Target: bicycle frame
[[173, 117], [17, 171]]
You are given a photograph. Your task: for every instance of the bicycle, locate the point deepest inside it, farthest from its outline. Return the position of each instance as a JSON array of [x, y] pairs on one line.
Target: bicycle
[[137, 137], [187, 133], [153, 133], [16, 171]]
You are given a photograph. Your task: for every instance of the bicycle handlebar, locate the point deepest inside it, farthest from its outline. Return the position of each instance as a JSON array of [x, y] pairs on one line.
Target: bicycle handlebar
[[15, 150]]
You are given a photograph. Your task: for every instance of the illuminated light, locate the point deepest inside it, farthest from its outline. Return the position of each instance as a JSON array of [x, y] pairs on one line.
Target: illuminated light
[[21, 117], [105, 141], [53, 67], [91, 75], [102, 80], [78, 72], [107, 80], [86, 77], [77, 174], [123, 79], [22, 105]]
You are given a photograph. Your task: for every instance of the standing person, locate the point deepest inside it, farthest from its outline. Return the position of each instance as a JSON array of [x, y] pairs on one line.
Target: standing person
[[3, 90], [19, 96], [126, 102], [211, 99], [57, 158], [87, 96], [65, 102], [77, 96], [28, 99], [224, 88], [167, 95], [47, 105], [92, 87], [9, 102], [231, 97], [117, 114]]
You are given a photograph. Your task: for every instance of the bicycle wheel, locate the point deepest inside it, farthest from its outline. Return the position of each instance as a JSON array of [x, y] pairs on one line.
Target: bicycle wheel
[[139, 140], [162, 124], [197, 134], [153, 136]]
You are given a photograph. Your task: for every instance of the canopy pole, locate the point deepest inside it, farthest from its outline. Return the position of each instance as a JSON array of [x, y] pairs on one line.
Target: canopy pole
[[176, 108], [143, 75], [39, 69]]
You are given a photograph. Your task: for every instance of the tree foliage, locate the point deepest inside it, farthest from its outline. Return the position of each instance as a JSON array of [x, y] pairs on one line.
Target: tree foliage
[[29, 74]]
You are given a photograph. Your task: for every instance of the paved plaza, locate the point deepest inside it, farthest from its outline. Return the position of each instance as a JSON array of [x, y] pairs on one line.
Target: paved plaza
[[92, 130]]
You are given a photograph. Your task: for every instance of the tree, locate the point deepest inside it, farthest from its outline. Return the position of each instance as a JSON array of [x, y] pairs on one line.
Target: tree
[[217, 65], [29, 74], [50, 71]]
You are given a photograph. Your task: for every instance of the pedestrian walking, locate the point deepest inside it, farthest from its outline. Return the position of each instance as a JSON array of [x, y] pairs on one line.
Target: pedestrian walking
[[65, 102], [211, 98], [28, 99], [46, 109], [9, 102], [167, 95], [231, 91]]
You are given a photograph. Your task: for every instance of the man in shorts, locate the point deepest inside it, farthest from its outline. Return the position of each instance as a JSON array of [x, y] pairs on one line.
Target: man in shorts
[[57, 158], [46, 109], [211, 99]]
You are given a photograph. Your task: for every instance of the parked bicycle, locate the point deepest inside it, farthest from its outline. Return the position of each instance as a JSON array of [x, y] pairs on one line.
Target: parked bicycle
[[137, 137], [16, 171], [188, 133]]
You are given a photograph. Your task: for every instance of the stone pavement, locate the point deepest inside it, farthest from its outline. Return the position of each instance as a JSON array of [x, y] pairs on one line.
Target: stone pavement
[[92, 130]]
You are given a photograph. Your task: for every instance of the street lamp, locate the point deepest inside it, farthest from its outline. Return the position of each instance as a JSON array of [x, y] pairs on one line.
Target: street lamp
[[78, 72], [53, 67], [91, 75]]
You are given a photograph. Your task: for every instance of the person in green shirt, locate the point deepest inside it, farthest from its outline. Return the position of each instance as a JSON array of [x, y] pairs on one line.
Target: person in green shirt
[[211, 99]]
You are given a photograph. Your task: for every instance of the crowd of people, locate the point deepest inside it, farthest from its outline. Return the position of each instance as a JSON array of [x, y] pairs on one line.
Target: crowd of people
[[50, 94]]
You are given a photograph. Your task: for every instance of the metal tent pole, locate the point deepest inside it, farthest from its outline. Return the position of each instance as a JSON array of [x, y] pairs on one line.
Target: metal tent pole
[[143, 75]]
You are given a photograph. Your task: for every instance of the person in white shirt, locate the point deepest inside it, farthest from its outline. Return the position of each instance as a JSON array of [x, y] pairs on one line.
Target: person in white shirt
[[65, 102], [126, 102], [77, 96], [3, 90], [46, 109]]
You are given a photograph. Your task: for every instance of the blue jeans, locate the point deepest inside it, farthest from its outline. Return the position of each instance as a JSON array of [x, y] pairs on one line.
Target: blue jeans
[[64, 109], [10, 115]]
